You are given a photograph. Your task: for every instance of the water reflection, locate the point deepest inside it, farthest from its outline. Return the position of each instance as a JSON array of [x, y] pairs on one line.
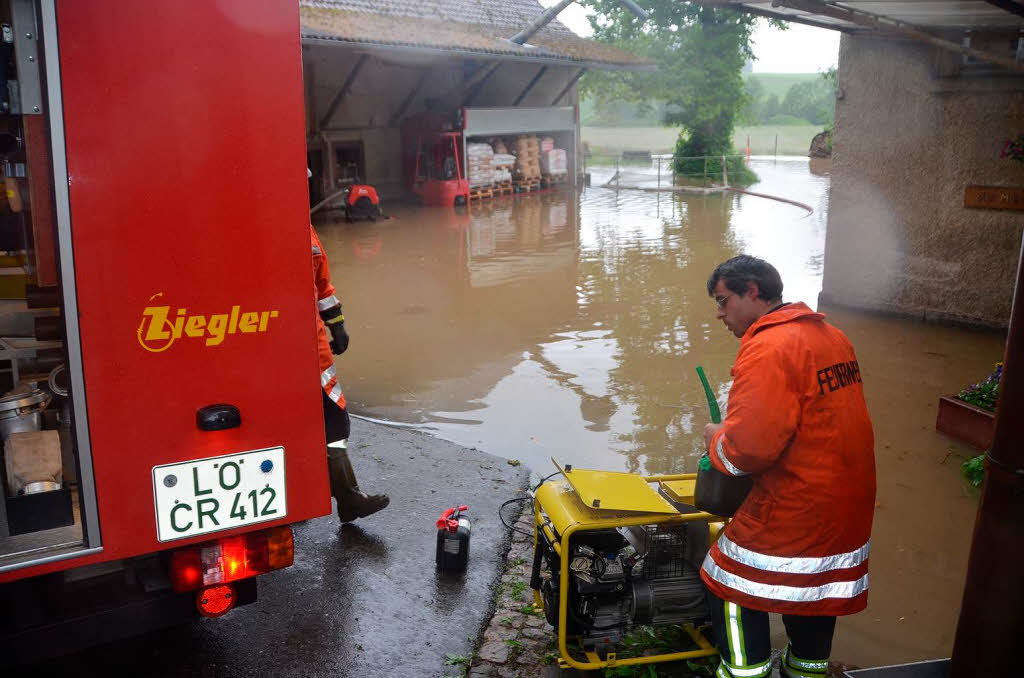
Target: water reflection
[[560, 324]]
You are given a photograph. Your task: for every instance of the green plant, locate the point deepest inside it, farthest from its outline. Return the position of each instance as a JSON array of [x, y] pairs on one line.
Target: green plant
[[705, 666], [974, 469], [984, 394], [453, 659], [646, 640], [693, 167], [528, 609], [1014, 148], [516, 589], [515, 644], [507, 621]]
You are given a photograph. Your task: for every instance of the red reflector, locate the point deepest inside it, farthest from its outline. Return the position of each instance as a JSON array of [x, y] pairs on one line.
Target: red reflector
[[231, 559], [214, 601]]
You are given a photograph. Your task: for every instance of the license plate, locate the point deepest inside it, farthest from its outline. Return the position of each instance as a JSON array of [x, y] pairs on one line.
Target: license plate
[[220, 493]]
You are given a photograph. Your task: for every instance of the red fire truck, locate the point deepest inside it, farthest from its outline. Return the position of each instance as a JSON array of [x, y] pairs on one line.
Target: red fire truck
[[154, 161]]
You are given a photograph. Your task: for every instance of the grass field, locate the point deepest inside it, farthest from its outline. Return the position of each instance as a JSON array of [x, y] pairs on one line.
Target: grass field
[[779, 83], [793, 139]]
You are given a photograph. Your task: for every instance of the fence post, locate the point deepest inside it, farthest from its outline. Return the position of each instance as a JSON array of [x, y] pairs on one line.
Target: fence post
[[725, 174], [616, 172], [659, 172], [776, 145], [705, 171]]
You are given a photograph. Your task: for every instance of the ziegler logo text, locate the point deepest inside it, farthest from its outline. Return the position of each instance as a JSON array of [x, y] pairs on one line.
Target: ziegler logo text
[[161, 326]]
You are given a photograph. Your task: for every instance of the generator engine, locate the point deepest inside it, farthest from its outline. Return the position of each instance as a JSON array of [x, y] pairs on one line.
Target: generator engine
[[623, 577]]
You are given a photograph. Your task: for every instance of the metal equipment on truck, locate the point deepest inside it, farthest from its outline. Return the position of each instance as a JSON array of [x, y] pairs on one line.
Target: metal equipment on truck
[[158, 210]]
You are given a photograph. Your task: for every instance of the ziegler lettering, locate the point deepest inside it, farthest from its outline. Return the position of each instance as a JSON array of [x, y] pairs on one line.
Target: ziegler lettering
[[161, 326], [838, 376]]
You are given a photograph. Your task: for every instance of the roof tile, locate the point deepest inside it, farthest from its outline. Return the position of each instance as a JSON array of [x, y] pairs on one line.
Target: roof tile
[[363, 26], [507, 13]]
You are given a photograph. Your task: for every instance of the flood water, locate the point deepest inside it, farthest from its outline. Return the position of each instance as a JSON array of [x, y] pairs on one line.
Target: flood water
[[570, 326]]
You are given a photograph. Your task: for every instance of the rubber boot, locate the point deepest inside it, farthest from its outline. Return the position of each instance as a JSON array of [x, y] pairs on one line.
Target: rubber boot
[[352, 503]]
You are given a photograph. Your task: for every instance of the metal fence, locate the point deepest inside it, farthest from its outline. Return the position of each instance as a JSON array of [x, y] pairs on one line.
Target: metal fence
[[643, 170]]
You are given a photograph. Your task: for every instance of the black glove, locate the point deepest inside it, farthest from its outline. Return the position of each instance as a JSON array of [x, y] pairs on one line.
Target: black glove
[[339, 337], [334, 318]]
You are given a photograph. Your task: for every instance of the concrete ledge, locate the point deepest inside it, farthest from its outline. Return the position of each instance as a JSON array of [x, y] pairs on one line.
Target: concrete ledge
[[933, 668], [921, 315]]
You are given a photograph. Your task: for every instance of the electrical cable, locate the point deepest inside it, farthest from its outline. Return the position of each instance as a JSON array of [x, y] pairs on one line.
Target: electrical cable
[[502, 517], [545, 479]]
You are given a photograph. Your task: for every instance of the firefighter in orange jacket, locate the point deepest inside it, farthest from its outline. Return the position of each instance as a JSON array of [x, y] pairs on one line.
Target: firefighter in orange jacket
[[797, 422], [332, 339]]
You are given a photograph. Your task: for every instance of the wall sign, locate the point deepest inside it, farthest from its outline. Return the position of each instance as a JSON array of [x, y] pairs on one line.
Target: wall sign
[[994, 197]]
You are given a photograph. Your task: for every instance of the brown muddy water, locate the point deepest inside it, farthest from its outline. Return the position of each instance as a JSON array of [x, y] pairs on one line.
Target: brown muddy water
[[570, 326]]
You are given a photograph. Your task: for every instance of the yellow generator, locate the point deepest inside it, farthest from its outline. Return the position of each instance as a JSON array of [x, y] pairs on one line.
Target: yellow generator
[[614, 551]]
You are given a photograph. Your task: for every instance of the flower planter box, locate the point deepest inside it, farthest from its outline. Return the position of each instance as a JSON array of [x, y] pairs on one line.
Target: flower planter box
[[965, 422]]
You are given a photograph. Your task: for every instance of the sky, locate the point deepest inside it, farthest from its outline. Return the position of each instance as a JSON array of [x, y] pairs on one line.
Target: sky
[[800, 49]]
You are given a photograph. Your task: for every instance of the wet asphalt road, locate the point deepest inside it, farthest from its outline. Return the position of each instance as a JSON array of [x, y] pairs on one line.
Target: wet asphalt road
[[361, 600]]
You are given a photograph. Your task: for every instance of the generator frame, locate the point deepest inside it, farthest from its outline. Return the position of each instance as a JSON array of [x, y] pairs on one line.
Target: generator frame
[[567, 514]]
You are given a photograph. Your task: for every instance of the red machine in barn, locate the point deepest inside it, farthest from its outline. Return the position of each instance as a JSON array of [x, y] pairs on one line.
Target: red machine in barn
[[433, 163], [171, 281]]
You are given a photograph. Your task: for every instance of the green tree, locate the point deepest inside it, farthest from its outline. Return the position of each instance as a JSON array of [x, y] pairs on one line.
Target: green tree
[[814, 101], [755, 100], [831, 78], [771, 108], [700, 52]]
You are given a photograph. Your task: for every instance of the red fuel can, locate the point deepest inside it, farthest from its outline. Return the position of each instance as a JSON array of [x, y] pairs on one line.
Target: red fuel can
[[453, 530]]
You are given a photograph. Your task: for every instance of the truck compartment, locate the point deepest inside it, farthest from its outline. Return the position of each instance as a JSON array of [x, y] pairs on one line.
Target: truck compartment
[[41, 511]]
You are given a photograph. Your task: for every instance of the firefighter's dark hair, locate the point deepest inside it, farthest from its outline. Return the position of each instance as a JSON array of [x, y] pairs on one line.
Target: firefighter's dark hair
[[738, 271]]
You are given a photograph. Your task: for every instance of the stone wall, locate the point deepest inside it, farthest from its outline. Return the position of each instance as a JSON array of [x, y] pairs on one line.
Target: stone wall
[[906, 144]]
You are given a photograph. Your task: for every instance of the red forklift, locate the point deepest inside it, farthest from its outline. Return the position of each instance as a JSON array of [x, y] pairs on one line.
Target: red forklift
[[433, 163], [151, 476]]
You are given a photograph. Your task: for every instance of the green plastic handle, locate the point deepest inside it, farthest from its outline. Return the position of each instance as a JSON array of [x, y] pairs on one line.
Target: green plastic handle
[[716, 414]]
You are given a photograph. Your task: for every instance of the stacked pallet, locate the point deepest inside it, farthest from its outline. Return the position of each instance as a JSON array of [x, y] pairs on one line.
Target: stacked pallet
[[481, 193], [504, 165], [554, 166], [481, 165], [554, 180], [527, 173], [480, 171]]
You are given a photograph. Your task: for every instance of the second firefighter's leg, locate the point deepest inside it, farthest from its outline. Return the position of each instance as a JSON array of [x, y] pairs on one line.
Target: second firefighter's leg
[[743, 640], [810, 644], [352, 503]]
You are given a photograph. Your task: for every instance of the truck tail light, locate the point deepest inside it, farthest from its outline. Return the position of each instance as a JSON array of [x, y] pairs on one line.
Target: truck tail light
[[232, 558]]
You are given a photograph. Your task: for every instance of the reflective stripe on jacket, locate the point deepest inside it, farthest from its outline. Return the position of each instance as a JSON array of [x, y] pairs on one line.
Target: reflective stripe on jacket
[[324, 296], [798, 423]]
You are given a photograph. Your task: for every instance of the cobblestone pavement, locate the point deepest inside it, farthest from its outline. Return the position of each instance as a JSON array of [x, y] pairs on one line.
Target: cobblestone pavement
[[517, 642]]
